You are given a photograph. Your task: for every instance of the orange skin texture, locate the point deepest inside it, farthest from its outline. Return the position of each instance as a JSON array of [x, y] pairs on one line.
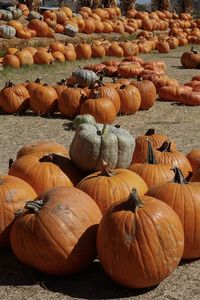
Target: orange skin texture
[[140, 248], [43, 175], [153, 174], [196, 176], [108, 189], [43, 99], [14, 193], [43, 146], [60, 238], [130, 99], [185, 200]]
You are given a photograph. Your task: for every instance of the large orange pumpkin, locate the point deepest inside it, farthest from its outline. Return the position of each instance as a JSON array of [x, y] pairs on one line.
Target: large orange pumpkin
[[59, 231], [184, 198], [140, 241], [130, 99]]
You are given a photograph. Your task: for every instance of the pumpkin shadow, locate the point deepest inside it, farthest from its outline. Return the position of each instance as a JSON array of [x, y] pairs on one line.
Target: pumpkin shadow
[[90, 284]]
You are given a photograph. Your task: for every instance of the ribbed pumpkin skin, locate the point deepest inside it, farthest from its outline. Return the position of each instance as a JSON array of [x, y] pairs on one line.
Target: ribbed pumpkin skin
[[107, 92], [140, 249], [43, 175], [153, 174], [43, 146], [60, 238], [194, 159], [175, 159], [70, 101], [14, 98], [14, 193], [196, 176], [102, 109], [185, 200], [106, 190], [130, 99], [147, 91], [140, 153]]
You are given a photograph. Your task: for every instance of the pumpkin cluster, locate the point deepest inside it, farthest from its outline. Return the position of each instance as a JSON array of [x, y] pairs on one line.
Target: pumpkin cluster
[[73, 203]]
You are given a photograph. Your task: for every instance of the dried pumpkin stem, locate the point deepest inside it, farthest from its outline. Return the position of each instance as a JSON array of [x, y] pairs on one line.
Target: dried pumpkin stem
[[166, 147], [178, 177], [134, 201], [35, 206], [48, 158], [150, 155], [150, 131], [106, 170]]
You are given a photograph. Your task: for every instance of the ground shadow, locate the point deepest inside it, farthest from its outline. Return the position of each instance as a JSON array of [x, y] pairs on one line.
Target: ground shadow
[[92, 283]]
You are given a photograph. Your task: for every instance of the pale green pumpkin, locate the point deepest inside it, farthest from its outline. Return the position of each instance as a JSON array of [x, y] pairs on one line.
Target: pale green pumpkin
[[94, 144]]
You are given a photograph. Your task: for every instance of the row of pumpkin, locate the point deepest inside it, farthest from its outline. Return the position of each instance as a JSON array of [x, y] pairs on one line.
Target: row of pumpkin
[[89, 21], [137, 232]]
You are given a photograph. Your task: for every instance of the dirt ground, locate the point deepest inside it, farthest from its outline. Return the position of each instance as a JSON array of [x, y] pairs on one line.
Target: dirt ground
[[180, 123]]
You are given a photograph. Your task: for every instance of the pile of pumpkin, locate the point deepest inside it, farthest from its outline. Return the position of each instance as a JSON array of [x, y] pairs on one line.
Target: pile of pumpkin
[[52, 205]]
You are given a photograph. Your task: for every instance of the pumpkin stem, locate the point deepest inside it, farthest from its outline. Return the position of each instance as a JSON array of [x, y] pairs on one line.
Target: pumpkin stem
[[166, 147], [35, 206], [194, 50], [178, 177], [133, 202], [48, 158], [96, 94], [150, 155], [101, 132], [8, 84], [150, 131], [10, 162], [38, 80], [123, 86], [106, 170]]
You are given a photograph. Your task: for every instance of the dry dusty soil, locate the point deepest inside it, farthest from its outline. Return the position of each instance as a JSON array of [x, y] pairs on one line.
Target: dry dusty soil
[[181, 123]]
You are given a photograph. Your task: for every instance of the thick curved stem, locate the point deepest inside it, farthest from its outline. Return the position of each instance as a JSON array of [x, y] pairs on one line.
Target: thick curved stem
[[178, 177], [150, 155], [150, 132], [106, 170], [35, 206], [166, 147], [133, 202]]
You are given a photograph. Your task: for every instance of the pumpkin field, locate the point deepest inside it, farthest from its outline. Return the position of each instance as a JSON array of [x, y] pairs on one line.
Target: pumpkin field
[[92, 134]]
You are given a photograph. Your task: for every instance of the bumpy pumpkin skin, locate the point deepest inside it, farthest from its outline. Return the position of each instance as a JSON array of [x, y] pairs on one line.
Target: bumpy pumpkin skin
[[139, 247], [98, 143], [14, 193], [184, 198], [60, 238], [109, 186]]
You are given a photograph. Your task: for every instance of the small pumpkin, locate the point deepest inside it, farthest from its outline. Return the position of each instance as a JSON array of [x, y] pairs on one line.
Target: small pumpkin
[[7, 31], [81, 119], [70, 30], [11, 61], [84, 77], [14, 98], [130, 236], [90, 139], [130, 99]]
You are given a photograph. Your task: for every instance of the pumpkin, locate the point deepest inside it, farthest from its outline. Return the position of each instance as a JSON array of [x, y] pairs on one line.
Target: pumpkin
[[43, 57], [151, 171], [69, 54], [43, 99], [84, 77], [24, 33], [89, 26], [195, 176], [115, 50], [190, 59], [44, 171], [11, 61], [59, 28], [141, 144], [24, 9], [70, 218], [16, 24], [14, 98], [40, 27], [184, 198], [85, 118], [34, 15], [106, 91], [42, 146], [166, 155], [70, 101], [130, 99], [16, 12], [188, 97], [6, 15], [57, 46], [30, 86], [90, 139], [98, 51], [7, 32], [162, 46], [70, 30], [100, 186], [194, 158], [147, 91], [14, 193], [58, 56], [83, 51], [171, 93], [143, 236], [101, 108], [25, 57], [127, 70]]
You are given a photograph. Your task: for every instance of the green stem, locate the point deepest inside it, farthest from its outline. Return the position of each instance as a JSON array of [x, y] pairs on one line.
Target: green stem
[[35, 206], [178, 177]]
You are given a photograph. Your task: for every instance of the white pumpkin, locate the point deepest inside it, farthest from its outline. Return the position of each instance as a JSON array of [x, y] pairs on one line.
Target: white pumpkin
[[7, 31], [70, 30]]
